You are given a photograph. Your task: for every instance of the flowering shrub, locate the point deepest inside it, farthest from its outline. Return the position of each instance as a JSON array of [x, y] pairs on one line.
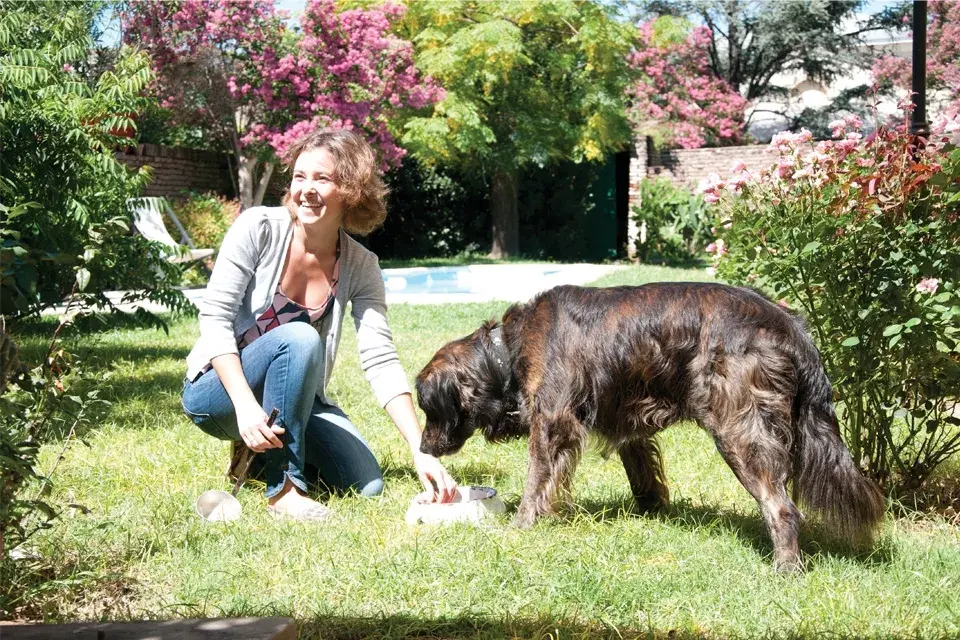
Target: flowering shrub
[[237, 71], [862, 235], [676, 99], [674, 224], [206, 217], [943, 59]]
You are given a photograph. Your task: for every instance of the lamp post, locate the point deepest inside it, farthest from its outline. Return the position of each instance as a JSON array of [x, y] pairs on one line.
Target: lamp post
[[918, 120]]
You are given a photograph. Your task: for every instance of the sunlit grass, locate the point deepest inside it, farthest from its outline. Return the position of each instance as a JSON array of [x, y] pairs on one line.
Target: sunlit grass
[[704, 568]]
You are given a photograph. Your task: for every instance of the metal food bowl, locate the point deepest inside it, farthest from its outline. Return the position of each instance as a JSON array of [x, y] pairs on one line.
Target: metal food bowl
[[218, 506]]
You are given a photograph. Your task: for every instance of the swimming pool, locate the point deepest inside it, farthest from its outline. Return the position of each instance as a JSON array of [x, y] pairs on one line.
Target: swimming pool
[[475, 279]]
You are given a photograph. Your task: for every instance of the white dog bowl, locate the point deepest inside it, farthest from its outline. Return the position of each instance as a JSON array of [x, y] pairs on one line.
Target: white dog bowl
[[472, 504], [218, 506]]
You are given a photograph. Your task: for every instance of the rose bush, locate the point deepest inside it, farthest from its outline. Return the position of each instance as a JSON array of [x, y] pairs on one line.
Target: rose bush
[[862, 236]]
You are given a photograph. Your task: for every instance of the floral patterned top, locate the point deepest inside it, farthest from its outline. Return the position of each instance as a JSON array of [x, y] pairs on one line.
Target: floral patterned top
[[283, 310]]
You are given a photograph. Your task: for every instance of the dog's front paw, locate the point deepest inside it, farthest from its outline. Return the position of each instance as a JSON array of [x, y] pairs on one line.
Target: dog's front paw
[[523, 520]]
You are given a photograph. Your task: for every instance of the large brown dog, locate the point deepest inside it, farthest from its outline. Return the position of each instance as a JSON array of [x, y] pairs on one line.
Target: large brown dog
[[624, 363]]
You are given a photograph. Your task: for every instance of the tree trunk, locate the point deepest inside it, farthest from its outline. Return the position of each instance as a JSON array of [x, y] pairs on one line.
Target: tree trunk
[[246, 170], [263, 183], [506, 222]]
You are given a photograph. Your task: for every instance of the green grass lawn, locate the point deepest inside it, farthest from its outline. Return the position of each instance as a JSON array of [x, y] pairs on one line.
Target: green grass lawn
[[702, 569]]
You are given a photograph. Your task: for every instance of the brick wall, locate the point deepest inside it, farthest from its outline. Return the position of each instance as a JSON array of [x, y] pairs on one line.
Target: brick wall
[[176, 170], [687, 167]]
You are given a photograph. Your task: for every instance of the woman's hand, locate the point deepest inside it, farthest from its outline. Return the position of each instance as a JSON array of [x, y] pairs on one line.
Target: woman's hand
[[255, 430], [440, 486]]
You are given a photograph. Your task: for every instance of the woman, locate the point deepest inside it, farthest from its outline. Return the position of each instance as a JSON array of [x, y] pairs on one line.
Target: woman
[[271, 320]]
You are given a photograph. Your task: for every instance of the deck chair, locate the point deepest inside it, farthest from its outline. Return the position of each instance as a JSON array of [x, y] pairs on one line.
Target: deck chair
[[148, 219]]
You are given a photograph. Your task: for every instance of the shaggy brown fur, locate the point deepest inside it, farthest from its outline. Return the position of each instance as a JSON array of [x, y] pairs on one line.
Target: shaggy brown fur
[[624, 363]]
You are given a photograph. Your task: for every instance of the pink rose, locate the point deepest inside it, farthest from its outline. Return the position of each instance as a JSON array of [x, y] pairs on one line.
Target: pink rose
[[928, 285]]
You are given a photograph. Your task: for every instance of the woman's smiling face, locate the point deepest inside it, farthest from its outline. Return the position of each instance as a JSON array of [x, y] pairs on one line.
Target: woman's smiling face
[[314, 194]]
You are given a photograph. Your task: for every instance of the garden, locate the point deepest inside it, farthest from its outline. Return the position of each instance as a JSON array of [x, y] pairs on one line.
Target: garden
[[492, 122]]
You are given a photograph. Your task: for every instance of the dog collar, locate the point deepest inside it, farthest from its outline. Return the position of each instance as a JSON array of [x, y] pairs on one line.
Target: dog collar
[[498, 343]]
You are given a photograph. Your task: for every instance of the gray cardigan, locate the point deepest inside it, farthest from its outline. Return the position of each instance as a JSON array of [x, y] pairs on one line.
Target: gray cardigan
[[246, 275]]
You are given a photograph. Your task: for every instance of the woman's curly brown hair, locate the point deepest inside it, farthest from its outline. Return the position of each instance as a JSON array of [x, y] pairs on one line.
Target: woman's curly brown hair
[[357, 176]]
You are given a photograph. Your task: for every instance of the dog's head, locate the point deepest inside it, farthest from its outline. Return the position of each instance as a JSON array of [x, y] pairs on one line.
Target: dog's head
[[468, 384]]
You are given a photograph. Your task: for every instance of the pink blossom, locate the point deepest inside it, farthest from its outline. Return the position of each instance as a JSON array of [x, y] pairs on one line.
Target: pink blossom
[[853, 121], [678, 95], [783, 303], [718, 247], [739, 166], [816, 158], [343, 69], [928, 285], [68, 67]]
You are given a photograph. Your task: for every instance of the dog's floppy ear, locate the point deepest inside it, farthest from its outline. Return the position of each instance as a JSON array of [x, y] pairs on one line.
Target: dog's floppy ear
[[439, 397]]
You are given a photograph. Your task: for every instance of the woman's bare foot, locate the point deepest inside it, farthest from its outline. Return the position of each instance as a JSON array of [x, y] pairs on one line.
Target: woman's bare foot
[[291, 503]]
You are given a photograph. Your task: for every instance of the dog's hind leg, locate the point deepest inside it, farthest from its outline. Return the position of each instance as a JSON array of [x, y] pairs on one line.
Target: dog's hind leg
[[644, 466], [555, 447], [762, 465]]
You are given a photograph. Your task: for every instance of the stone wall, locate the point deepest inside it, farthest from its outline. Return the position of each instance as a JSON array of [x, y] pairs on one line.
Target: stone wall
[[176, 170]]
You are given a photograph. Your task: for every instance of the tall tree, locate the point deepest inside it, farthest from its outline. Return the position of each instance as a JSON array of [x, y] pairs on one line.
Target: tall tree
[[234, 69], [675, 98], [751, 41], [526, 83]]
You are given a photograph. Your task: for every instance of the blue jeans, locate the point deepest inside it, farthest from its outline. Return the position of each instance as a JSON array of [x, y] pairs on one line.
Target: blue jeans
[[320, 446]]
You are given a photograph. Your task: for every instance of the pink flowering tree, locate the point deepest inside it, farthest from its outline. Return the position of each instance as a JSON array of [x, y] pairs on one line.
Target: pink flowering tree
[[676, 98], [943, 59], [236, 71], [862, 235]]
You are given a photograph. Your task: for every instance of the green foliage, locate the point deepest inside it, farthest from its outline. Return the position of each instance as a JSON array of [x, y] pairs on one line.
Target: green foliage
[[37, 405], [675, 224], [557, 211], [436, 211], [65, 225], [865, 241], [526, 82], [206, 217], [432, 212]]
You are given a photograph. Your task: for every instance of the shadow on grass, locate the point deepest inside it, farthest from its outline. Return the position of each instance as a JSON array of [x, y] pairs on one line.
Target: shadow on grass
[[160, 390], [817, 543], [474, 627]]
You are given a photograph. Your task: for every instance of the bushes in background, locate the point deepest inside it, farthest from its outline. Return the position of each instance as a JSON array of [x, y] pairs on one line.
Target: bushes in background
[[206, 217], [440, 212], [863, 237], [674, 224], [432, 212]]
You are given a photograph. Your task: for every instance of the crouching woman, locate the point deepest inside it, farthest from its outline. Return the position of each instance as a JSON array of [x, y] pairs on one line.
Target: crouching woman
[[270, 324]]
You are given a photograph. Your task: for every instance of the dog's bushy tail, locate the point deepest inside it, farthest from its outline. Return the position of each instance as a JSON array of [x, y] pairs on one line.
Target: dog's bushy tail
[[826, 478]]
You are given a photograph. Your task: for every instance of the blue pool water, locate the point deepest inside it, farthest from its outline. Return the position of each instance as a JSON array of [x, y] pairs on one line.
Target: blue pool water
[[455, 279]]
